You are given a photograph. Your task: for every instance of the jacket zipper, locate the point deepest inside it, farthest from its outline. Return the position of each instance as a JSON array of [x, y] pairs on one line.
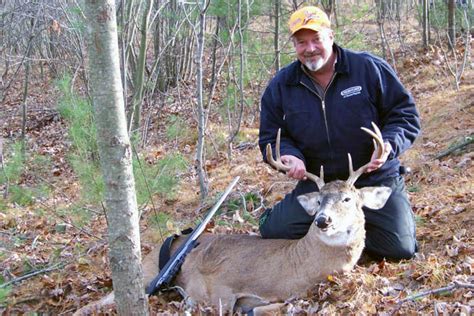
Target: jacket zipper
[[323, 105]]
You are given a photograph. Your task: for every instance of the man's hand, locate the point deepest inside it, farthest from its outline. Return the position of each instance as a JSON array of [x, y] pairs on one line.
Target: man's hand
[[297, 166], [377, 163]]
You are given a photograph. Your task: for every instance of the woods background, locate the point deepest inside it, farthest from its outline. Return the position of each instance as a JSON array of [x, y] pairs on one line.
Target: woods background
[[192, 75]]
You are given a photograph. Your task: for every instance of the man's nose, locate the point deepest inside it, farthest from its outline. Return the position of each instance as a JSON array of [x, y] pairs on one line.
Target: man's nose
[[311, 47]]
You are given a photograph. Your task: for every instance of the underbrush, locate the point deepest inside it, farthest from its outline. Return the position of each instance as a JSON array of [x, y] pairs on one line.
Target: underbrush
[[20, 176], [158, 176]]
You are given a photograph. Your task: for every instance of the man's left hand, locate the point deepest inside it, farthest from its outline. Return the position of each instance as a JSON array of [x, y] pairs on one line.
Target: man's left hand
[[377, 163]]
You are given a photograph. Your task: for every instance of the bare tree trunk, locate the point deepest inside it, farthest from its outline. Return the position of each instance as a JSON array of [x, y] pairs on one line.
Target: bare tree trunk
[[203, 181], [5, 175], [380, 22], [334, 9], [24, 108], [398, 19], [276, 40], [135, 113], [116, 159], [451, 23], [456, 68], [327, 7], [425, 23], [233, 132], [214, 54], [294, 5], [123, 59], [27, 78]]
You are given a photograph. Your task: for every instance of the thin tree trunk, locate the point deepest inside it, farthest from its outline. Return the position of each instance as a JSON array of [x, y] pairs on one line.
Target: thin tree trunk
[[451, 23], [214, 55], [27, 78], [334, 9], [235, 131], [380, 22], [140, 72], [425, 22], [276, 40], [24, 108], [116, 159], [203, 181], [123, 59]]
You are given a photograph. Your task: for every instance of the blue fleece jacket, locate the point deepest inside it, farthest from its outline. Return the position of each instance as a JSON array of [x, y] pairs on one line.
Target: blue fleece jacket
[[322, 129]]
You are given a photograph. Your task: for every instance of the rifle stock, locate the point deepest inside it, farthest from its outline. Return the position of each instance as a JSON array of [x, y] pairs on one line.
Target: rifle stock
[[166, 275]]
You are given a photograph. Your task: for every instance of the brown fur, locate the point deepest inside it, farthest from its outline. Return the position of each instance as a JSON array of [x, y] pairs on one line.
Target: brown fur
[[226, 270]]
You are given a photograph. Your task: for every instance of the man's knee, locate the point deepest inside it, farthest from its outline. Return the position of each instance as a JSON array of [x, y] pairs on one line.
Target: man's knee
[[266, 230], [269, 229], [395, 249], [406, 249], [272, 226]]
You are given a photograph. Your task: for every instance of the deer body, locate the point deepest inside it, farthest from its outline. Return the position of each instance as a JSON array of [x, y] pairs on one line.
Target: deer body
[[231, 270], [222, 274]]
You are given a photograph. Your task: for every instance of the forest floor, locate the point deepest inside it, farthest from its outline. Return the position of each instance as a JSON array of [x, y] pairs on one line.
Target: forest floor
[[66, 266]]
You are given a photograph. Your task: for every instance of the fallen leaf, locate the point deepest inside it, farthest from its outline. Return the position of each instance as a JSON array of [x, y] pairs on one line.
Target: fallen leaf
[[237, 218]]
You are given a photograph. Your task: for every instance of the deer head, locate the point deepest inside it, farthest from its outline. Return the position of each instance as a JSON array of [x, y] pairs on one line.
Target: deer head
[[337, 207]]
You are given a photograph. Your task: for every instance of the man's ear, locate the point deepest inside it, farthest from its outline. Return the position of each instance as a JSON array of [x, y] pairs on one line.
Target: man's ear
[[331, 34]]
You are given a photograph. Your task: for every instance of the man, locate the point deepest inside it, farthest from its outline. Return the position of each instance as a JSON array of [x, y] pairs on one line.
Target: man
[[320, 101]]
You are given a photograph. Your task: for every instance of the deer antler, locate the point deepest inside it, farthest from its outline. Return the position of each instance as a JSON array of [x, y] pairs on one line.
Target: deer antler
[[279, 165], [378, 147]]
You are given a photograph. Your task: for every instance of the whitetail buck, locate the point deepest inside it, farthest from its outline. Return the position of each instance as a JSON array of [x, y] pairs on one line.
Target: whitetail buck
[[242, 272]]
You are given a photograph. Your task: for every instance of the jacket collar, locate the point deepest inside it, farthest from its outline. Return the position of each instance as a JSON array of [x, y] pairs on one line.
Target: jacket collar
[[296, 73]]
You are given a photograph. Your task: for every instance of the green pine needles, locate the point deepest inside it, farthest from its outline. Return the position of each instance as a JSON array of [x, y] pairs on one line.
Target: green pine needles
[[159, 178], [17, 164]]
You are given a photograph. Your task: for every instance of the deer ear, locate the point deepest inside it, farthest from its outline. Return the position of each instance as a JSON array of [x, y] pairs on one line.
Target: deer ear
[[309, 202], [375, 197]]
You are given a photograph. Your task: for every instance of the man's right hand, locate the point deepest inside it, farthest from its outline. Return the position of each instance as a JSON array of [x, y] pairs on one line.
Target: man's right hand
[[297, 166]]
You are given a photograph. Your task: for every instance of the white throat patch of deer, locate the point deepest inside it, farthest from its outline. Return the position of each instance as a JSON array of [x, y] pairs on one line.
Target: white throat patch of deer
[[242, 272]]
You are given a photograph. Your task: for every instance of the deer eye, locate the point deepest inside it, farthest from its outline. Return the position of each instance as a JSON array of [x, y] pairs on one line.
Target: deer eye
[[347, 199], [319, 202]]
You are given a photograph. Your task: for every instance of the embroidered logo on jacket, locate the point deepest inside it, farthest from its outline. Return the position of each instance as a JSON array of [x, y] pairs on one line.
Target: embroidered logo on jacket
[[349, 92]]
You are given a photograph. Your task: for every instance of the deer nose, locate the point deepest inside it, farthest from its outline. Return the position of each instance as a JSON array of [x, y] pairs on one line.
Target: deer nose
[[323, 221]]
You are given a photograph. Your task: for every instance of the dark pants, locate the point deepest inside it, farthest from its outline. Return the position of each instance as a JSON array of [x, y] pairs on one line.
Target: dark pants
[[390, 230]]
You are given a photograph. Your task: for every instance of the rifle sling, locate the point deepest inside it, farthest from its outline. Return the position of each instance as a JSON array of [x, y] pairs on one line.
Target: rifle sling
[[165, 250]]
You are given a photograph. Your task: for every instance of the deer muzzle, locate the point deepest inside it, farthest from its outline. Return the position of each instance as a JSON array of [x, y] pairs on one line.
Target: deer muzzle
[[323, 221]]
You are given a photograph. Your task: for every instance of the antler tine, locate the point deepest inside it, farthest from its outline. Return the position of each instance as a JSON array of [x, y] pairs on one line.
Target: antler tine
[[277, 145], [378, 148], [378, 139], [278, 164], [318, 180]]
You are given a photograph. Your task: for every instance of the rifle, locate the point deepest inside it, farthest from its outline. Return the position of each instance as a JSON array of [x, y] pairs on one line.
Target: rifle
[[173, 265]]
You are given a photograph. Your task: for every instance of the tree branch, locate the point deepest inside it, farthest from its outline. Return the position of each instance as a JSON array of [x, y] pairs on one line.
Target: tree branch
[[467, 140], [454, 285], [56, 266]]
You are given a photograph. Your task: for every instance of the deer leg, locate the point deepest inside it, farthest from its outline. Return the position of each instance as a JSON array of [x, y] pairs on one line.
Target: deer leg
[[246, 302], [96, 306], [270, 309]]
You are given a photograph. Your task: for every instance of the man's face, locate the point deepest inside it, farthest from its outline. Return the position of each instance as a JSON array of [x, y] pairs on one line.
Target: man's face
[[313, 49]]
